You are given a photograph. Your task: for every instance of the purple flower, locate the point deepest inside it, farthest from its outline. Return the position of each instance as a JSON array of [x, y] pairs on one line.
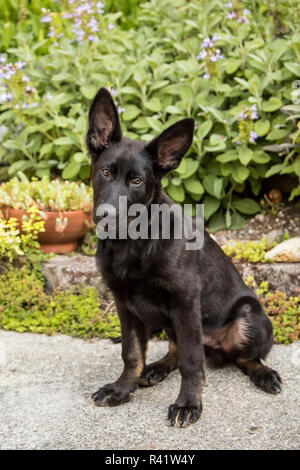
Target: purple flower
[[206, 76], [113, 91], [202, 55], [228, 5], [24, 105], [216, 37], [6, 97], [3, 58], [253, 136], [213, 58], [207, 42], [111, 26], [231, 15], [49, 96], [100, 7], [120, 109], [20, 65], [254, 114], [92, 38], [46, 19]]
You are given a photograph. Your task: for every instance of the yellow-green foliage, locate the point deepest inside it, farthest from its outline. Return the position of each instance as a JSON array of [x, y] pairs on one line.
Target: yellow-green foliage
[[248, 250], [283, 311], [24, 306], [12, 242]]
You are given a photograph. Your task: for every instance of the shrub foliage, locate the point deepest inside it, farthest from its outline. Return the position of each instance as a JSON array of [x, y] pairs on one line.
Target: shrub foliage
[[232, 66]]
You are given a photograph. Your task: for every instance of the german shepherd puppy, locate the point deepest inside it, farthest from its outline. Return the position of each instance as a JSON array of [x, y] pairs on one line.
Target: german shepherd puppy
[[197, 297]]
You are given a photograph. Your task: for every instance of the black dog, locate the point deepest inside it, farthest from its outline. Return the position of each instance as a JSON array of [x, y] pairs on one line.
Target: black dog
[[197, 297]]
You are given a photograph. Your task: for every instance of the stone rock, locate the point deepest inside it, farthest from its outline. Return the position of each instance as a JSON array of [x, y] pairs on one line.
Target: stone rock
[[260, 218], [276, 235], [70, 271], [281, 276], [287, 251]]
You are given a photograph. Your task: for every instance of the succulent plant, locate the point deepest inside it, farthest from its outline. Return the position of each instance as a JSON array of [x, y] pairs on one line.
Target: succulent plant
[[55, 195]]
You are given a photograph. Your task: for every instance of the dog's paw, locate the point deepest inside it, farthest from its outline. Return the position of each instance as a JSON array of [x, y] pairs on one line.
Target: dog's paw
[[183, 416], [153, 374], [110, 396], [268, 380]]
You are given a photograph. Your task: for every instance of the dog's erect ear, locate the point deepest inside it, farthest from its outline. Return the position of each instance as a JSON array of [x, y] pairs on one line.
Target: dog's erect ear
[[104, 124], [170, 146]]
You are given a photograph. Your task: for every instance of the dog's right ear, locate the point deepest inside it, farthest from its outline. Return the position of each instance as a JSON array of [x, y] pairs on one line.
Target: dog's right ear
[[104, 123]]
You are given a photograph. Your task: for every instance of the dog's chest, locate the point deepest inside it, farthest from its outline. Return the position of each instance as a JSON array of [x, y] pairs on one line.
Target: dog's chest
[[151, 302]]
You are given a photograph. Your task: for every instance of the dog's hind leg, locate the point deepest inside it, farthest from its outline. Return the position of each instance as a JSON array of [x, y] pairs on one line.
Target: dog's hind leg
[[158, 371], [249, 340]]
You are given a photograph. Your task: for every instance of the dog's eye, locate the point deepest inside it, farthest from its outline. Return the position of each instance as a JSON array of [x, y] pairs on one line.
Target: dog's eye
[[106, 171], [136, 180]]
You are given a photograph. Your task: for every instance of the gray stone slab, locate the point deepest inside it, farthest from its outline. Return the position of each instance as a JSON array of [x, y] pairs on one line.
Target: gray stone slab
[[281, 276]]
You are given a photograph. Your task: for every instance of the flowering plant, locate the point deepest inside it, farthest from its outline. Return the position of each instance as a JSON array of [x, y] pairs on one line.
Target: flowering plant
[[232, 66]]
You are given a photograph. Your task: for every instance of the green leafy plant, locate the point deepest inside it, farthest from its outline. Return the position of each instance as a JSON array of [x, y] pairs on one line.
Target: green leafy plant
[[231, 68], [283, 311], [24, 306]]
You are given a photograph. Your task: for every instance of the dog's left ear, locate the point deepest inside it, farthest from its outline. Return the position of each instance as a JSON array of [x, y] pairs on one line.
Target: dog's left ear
[[104, 124], [171, 145]]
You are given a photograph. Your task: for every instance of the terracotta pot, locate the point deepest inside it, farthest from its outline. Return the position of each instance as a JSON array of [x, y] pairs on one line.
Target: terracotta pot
[[56, 239]]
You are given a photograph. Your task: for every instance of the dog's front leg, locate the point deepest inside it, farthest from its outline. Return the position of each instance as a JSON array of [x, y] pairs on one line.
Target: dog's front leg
[[134, 343], [188, 406]]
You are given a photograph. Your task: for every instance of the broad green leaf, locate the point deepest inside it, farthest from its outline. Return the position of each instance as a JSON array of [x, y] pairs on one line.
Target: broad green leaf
[[239, 172], [216, 223], [88, 91], [246, 206], [229, 156], [165, 182], [232, 65], [154, 105], [131, 112], [228, 218], [237, 221], [293, 67], [190, 168], [274, 170], [297, 167], [277, 134], [259, 156], [71, 170], [213, 185], [211, 205], [262, 127], [192, 185], [271, 105], [245, 155], [204, 129], [63, 141], [176, 192]]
